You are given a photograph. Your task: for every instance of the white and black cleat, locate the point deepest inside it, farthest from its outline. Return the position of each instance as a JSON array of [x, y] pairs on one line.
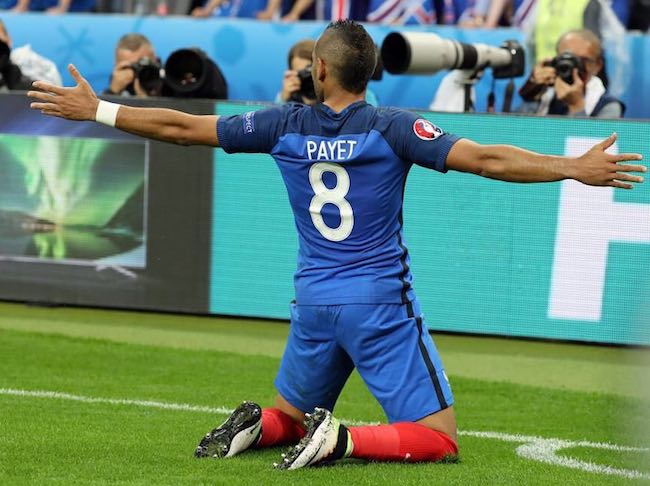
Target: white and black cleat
[[324, 442], [239, 432]]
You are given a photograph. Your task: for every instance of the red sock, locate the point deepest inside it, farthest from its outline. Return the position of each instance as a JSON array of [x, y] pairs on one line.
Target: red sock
[[278, 428], [406, 441]]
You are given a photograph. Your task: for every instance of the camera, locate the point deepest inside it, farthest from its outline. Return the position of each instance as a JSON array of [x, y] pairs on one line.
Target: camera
[[564, 64], [190, 73], [427, 53], [5, 52], [306, 87], [11, 76], [148, 73]]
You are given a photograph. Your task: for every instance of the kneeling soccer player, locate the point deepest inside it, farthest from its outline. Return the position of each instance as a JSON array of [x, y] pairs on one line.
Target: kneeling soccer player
[[396, 358]]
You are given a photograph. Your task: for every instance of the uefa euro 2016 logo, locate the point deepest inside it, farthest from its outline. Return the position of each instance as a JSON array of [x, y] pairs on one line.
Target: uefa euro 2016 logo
[[426, 130]]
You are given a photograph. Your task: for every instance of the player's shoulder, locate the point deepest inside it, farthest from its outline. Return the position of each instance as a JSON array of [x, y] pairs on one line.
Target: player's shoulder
[[284, 110], [394, 114], [291, 114], [391, 118], [393, 121], [279, 119], [404, 127]]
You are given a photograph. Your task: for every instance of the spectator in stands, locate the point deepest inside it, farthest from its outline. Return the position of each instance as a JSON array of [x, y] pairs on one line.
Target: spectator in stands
[[331, 10], [488, 14], [401, 12], [546, 20], [133, 51], [49, 6], [224, 8], [394, 12], [289, 10], [546, 92], [20, 66]]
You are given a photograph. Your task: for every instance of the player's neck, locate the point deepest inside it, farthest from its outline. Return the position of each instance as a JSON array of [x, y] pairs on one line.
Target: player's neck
[[340, 100]]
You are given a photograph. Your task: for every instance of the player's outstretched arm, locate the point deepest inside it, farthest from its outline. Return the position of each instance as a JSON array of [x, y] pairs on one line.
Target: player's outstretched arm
[[505, 162], [81, 103]]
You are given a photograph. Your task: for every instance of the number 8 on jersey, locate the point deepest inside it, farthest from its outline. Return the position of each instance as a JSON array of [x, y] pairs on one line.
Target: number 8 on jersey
[[336, 196]]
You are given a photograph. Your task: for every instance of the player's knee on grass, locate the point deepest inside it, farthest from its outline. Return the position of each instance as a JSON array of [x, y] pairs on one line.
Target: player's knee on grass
[[443, 421]]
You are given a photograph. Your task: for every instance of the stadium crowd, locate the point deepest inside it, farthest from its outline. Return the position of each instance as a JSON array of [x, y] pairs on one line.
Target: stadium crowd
[[597, 26], [633, 14]]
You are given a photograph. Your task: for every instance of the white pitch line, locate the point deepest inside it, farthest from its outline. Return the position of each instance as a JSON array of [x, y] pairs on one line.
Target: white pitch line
[[545, 450], [534, 448], [533, 438], [114, 401]]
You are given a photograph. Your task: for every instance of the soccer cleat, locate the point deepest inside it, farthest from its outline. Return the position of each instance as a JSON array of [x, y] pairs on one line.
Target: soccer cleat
[[326, 441], [238, 433]]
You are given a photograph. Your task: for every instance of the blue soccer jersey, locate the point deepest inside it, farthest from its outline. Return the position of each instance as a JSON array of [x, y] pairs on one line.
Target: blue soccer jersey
[[345, 175]]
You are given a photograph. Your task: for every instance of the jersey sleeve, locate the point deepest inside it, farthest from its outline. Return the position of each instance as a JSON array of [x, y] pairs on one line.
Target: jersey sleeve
[[419, 141], [253, 131]]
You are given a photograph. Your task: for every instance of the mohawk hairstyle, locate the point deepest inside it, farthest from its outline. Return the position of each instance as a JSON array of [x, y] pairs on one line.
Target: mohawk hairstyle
[[350, 51]]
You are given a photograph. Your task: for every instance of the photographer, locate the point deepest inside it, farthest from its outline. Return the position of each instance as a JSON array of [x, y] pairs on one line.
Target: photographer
[[20, 66], [137, 68], [571, 83], [297, 85], [298, 60]]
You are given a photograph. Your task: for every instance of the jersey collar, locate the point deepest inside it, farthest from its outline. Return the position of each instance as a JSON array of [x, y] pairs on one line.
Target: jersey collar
[[332, 114]]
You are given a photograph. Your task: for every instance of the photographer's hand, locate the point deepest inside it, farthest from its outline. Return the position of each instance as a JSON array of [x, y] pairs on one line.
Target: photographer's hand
[[290, 84], [543, 74], [123, 75], [138, 89], [573, 95]]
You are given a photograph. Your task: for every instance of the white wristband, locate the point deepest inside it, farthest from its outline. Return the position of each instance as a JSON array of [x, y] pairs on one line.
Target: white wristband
[[107, 113]]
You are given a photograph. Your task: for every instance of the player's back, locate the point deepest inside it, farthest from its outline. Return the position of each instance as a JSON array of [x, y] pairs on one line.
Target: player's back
[[345, 175]]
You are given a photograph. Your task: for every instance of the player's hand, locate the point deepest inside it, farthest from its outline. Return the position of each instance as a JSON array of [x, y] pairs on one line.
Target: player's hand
[[573, 95], [598, 168], [122, 76], [75, 103], [290, 84]]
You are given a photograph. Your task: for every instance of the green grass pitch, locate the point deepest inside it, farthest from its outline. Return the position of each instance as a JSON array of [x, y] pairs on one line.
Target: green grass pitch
[[106, 377]]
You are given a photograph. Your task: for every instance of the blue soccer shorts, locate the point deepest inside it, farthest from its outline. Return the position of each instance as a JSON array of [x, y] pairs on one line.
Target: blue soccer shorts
[[388, 344]]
